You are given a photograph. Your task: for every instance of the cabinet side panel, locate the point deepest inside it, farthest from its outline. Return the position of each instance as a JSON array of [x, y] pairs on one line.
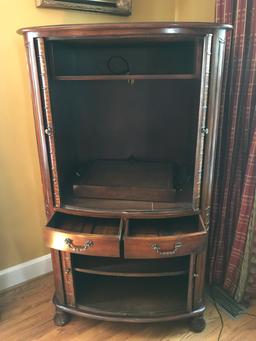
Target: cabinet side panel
[[57, 272], [191, 282], [39, 124], [68, 278], [199, 280]]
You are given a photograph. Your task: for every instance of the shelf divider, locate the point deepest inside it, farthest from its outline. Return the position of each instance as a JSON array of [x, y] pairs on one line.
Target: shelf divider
[[125, 77]]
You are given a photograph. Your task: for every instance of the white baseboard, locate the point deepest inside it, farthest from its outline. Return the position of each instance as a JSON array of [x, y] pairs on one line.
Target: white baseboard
[[25, 271]]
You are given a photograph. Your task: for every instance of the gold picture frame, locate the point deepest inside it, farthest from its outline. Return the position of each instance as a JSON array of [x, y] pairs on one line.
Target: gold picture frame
[[116, 7]]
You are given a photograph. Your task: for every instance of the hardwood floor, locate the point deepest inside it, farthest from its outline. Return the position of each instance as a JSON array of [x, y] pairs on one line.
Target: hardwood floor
[[26, 314]]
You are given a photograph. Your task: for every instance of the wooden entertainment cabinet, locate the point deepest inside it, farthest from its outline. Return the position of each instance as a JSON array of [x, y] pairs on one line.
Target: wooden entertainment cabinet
[[126, 118]]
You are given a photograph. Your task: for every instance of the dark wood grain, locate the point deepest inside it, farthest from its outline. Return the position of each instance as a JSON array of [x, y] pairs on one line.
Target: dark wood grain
[[199, 280], [67, 271], [212, 123], [141, 93], [49, 129], [57, 271], [202, 120], [186, 28], [126, 180], [39, 126], [132, 209]]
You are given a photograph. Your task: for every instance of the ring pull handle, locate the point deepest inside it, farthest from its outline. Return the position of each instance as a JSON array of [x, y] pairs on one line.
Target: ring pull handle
[[157, 249], [87, 245]]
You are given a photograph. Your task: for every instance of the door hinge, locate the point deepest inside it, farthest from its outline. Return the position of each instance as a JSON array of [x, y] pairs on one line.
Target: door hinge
[[205, 131], [49, 131]]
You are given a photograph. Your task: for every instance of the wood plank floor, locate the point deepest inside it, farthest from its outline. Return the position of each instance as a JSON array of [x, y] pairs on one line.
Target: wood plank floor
[[26, 314]]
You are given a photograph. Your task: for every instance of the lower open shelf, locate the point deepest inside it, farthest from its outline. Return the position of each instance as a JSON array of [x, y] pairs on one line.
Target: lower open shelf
[[131, 267], [134, 297]]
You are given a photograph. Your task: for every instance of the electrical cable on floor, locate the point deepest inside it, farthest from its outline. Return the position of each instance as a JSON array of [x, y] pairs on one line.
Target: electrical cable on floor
[[221, 320], [219, 313]]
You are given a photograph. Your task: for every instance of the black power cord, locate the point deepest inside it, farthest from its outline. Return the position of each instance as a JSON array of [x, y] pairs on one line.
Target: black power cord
[[221, 318], [219, 313]]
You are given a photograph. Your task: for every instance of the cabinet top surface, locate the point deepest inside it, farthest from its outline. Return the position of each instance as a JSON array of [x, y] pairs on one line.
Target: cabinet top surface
[[127, 28]]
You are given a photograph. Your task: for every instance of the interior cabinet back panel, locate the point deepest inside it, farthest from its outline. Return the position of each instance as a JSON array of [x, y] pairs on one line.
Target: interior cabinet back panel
[[80, 58], [150, 120]]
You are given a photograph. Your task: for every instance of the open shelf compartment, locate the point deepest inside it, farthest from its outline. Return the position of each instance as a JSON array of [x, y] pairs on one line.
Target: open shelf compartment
[[132, 297], [131, 149], [126, 180], [94, 60]]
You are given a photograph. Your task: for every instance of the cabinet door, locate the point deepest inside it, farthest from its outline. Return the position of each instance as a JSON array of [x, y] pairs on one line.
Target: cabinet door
[[202, 131], [47, 121]]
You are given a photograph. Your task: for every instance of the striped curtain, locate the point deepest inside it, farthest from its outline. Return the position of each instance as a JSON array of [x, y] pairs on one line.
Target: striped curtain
[[235, 181]]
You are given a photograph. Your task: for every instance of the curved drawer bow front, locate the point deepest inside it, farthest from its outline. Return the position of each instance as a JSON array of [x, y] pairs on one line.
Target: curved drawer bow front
[[84, 235]]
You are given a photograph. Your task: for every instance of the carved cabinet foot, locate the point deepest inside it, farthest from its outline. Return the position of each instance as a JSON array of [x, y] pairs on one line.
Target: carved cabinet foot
[[61, 318], [197, 324]]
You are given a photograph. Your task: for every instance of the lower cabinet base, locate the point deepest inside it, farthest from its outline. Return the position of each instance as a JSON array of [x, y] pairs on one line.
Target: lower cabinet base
[[197, 324], [63, 315], [61, 318]]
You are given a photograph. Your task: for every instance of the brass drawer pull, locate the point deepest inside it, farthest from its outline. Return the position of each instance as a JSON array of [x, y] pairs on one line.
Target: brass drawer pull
[[87, 245], [157, 249]]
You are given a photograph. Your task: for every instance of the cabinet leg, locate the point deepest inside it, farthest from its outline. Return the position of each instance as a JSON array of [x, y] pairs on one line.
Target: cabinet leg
[[61, 318], [197, 324]]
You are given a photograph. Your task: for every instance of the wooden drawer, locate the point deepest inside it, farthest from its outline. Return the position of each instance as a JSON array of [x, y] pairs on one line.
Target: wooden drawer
[[83, 235], [163, 238]]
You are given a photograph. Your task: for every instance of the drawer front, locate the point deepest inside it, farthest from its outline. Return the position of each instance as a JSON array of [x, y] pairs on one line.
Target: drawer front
[[164, 247], [86, 244]]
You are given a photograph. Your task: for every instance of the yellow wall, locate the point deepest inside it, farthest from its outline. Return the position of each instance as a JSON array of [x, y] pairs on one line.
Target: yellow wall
[[195, 10], [21, 201]]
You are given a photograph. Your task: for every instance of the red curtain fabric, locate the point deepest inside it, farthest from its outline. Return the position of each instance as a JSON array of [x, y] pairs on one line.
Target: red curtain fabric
[[250, 288], [235, 180]]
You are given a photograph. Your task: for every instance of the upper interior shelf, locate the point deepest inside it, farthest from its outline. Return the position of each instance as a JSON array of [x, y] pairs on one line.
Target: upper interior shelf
[[125, 77]]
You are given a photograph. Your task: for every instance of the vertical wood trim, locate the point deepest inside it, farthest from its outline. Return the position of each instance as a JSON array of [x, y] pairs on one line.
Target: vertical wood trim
[[39, 124], [199, 280], [212, 122], [68, 278], [57, 272], [48, 116], [202, 119], [198, 57], [191, 282]]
